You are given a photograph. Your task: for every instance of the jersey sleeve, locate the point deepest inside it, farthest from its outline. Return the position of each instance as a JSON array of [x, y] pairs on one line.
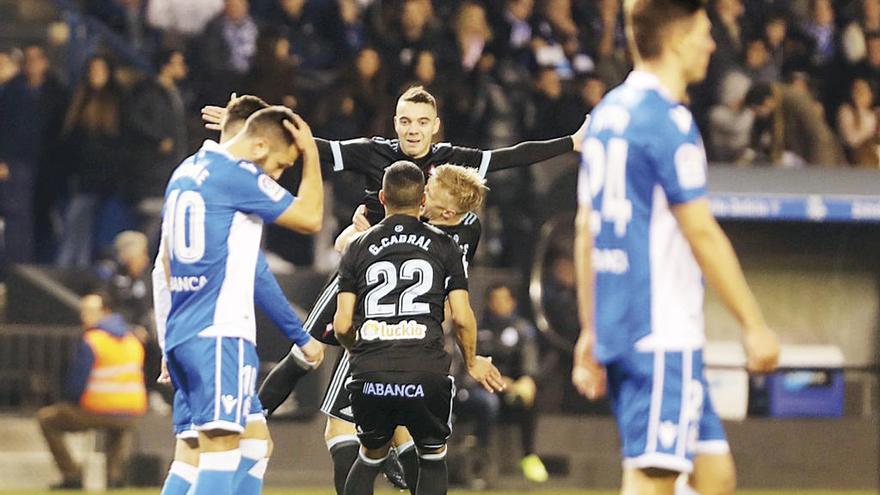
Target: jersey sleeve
[[254, 192], [347, 280], [352, 154], [456, 265], [465, 157], [271, 299], [679, 158]]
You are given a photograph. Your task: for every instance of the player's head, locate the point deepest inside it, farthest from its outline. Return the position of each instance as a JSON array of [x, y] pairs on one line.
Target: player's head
[[266, 142], [416, 121], [403, 188], [452, 191], [672, 31], [237, 112]]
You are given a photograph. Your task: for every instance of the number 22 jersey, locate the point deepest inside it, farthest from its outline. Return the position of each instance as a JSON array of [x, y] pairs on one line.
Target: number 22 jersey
[[642, 156], [213, 215]]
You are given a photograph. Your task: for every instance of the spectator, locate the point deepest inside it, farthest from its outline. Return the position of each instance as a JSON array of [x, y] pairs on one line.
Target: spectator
[[514, 31], [854, 38], [104, 390], [759, 65], [274, 76], [869, 69], [368, 81], [351, 34], [554, 108], [730, 122], [775, 31], [857, 124], [413, 34], [129, 19], [184, 19], [557, 42], [228, 47], [511, 341], [308, 42], [823, 31], [790, 129], [9, 66], [31, 111], [157, 128], [92, 133], [471, 37]]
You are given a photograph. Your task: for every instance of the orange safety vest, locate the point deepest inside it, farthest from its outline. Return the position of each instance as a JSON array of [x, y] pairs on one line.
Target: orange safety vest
[[116, 382]]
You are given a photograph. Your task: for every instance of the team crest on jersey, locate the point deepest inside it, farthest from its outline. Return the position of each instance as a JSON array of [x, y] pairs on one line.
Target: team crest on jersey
[[690, 166], [405, 330], [270, 188]]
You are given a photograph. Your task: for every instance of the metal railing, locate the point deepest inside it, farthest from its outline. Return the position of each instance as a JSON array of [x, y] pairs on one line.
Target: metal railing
[[33, 363]]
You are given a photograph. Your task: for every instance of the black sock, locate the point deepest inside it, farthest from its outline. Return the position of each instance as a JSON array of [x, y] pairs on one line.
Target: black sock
[[362, 477], [433, 477], [280, 382], [343, 454], [409, 459]]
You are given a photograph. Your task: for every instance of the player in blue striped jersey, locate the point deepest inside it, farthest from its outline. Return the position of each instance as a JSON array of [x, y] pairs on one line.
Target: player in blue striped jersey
[[644, 228], [215, 206]]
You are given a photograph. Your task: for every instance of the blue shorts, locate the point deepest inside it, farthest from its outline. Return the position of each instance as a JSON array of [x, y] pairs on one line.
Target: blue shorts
[[182, 418], [663, 411], [215, 382]]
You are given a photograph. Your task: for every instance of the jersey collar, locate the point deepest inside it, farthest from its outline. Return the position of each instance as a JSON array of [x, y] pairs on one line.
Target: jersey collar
[[214, 147], [640, 79]]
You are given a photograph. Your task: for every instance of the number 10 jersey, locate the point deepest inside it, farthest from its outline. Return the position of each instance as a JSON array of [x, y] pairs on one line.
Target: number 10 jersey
[[213, 215]]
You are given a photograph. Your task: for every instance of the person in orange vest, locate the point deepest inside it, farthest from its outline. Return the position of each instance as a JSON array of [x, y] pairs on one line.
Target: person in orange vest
[[104, 390]]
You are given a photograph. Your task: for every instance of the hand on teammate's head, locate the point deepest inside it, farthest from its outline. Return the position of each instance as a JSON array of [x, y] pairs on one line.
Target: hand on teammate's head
[[212, 116], [359, 219], [302, 134]]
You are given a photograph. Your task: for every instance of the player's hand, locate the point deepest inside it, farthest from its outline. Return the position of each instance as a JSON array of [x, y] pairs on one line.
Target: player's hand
[[486, 374], [164, 377], [577, 139], [762, 349], [302, 135], [359, 219], [314, 352], [212, 116], [587, 375]]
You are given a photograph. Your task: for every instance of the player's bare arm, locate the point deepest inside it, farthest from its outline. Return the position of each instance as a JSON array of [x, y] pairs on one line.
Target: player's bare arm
[[342, 320], [307, 212], [480, 368], [587, 375], [715, 255]]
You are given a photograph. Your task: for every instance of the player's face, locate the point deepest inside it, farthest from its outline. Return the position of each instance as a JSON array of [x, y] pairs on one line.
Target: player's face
[[439, 203], [415, 125], [274, 158], [695, 47]]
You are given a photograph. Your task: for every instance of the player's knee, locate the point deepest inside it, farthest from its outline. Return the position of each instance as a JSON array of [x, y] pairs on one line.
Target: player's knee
[[186, 450], [218, 440], [432, 452]]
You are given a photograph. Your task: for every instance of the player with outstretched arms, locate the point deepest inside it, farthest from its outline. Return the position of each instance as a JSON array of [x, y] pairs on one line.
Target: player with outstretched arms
[[216, 203], [645, 238], [394, 281]]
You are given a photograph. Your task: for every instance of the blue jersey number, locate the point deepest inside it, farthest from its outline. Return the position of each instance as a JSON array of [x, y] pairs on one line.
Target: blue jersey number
[[608, 176], [185, 226]]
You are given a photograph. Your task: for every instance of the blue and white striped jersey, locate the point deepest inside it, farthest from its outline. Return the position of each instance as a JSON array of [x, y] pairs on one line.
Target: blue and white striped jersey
[[215, 206], [643, 154]]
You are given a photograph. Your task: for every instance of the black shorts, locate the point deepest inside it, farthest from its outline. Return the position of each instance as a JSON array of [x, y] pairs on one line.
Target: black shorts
[[319, 322], [337, 403], [420, 401]]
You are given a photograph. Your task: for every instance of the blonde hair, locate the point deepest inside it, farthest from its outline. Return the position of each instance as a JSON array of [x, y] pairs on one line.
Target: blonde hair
[[463, 184]]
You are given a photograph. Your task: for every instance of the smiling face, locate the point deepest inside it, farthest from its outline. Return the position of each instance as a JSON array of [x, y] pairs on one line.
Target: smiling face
[[415, 124]]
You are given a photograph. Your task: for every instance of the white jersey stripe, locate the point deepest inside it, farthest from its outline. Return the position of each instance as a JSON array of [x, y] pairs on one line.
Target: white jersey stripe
[[337, 156], [656, 401], [484, 163], [218, 377]]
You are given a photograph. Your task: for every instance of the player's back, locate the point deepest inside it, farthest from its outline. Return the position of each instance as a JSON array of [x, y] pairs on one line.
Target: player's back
[[643, 154], [213, 217], [401, 271]]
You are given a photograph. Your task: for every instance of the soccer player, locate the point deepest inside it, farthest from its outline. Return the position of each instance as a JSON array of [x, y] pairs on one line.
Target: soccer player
[[256, 445], [452, 194], [645, 229], [215, 205], [393, 283]]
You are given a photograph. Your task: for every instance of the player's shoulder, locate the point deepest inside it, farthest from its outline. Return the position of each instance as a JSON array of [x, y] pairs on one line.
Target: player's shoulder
[[471, 220], [642, 106]]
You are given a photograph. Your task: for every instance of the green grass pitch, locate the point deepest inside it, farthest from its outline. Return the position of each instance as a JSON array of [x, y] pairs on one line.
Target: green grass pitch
[[537, 491]]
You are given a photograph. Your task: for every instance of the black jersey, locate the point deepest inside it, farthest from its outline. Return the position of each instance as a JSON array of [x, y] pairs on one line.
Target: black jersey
[[370, 158], [466, 234], [401, 271]]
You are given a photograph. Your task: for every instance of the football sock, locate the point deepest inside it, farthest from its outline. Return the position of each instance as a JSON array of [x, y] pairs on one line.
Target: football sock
[[180, 477], [433, 475], [343, 453], [362, 476], [249, 476], [409, 459], [216, 472], [281, 381]]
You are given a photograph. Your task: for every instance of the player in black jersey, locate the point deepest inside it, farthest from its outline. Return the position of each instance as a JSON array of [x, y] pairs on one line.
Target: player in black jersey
[[393, 283], [416, 123], [450, 192]]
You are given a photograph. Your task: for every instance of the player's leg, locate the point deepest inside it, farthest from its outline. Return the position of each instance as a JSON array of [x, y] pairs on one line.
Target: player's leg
[[375, 416], [429, 420], [408, 459], [342, 442], [185, 466], [714, 470], [657, 398], [256, 443], [282, 379]]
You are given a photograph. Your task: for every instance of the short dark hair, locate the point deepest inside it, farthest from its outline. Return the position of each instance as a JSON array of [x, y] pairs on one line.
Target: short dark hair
[[418, 94], [269, 122], [647, 20], [403, 185], [239, 109]]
